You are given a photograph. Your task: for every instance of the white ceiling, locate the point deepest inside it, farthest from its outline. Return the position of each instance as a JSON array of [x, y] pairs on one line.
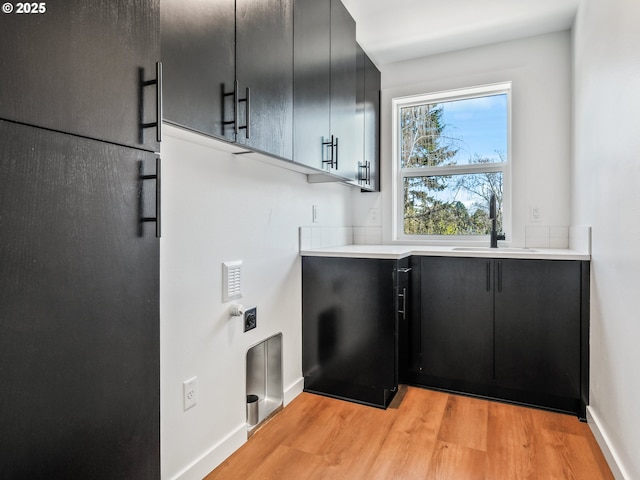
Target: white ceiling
[[395, 30]]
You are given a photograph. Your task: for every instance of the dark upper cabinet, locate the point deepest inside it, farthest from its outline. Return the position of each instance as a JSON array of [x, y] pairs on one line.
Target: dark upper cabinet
[[456, 299], [368, 123], [312, 80], [228, 71], [80, 68], [326, 133], [198, 57], [79, 308], [537, 329], [264, 72]]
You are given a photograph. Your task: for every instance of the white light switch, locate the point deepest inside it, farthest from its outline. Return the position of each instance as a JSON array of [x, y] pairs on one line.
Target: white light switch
[[231, 280]]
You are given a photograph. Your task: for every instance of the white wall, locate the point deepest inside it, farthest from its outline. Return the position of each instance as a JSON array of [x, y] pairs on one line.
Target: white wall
[[540, 71], [606, 195], [219, 207]]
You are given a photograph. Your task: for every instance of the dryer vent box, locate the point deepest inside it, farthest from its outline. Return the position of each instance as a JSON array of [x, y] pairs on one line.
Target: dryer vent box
[[231, 280]]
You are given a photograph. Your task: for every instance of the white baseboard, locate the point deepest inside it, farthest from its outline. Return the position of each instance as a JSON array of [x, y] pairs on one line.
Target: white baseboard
[[608, 451], [293, 390], [222, 450], [215, 456]]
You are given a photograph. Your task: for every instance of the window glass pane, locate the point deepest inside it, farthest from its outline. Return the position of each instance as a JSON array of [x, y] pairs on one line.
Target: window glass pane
[[451, 204], [457, 132]]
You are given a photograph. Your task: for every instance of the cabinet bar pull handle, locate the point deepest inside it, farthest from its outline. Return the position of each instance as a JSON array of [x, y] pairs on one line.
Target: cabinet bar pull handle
[[403, 295], [158, 83], [235, 107], [331, 161], [247, 112], [499, 276], [488, 276], [156, 177], [336, 145]]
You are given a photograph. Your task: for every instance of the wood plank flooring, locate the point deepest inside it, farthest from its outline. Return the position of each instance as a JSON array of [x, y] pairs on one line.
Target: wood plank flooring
[[423, 435]]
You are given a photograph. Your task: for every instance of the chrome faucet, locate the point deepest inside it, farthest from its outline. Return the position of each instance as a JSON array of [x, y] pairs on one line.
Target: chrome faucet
[[495, 236]]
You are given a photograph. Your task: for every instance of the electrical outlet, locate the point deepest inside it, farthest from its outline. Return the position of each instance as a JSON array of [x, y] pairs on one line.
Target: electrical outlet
[[250, 318], [190, 393], [535, 214], [314, 213], [373, 215]]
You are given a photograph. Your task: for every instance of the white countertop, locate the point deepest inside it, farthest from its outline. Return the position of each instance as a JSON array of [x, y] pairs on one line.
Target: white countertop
[[401, 251]]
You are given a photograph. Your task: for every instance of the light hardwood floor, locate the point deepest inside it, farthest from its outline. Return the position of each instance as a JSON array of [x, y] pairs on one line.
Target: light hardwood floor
[[423, 435]]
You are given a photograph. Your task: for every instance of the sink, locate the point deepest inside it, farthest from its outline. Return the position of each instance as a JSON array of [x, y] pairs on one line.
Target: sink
[[489, 249]]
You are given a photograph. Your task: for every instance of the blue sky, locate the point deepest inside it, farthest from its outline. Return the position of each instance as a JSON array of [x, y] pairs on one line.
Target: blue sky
[[478, 124]]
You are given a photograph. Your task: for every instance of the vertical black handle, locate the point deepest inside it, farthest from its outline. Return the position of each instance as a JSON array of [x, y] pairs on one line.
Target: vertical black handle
[[158, 217], [236, 108], [403, 311], [247, 111], [336, 145], [331, 160], [499, 276], [159, 113], [488, 275], [158, 203]]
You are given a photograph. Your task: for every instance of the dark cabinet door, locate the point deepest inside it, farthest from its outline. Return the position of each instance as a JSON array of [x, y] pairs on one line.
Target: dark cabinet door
[[79, 68], [349, 329], [312, 81], [343, 90], [371, 113], [326, 133], [368, 122], [537, 330], [457, 319], [79, 309], [264, 72], [198, 57]]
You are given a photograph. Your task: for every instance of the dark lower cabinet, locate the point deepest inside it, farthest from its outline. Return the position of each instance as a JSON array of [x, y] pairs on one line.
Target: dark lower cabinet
[[350, 313], [79, 67], [457, 319], [537, 326], [79, 308], [510, 329]]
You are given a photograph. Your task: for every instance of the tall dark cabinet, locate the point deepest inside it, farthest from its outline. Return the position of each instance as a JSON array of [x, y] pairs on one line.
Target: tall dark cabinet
[[79, 284], [326, 135], [80, 68]]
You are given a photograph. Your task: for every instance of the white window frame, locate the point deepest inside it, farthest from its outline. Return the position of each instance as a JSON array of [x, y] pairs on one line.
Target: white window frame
[[399, 174]]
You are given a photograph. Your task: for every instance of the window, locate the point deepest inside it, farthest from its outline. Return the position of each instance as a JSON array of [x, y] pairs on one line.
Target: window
[[451, 155]]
